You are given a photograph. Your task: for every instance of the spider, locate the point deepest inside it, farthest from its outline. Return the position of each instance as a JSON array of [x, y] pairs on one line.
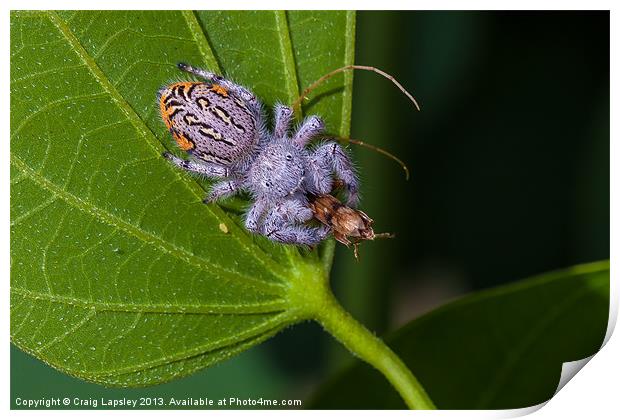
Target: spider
[[221, 125]]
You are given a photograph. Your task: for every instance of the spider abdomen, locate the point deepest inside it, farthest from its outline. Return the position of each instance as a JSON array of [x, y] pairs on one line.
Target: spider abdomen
[[208, 121]]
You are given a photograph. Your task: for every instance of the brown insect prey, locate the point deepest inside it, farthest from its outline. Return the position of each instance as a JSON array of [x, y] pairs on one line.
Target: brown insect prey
[[349, 226]]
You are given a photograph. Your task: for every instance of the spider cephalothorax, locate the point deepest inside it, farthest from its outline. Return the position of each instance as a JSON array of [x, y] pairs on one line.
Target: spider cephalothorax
[[221, 125]]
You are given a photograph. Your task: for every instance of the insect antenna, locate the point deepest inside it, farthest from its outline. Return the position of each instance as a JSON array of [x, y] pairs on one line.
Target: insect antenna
[[304, 95], [379, 150], [297, 104]]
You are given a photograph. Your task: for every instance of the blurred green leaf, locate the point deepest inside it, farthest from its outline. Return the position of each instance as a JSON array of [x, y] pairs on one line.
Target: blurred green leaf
[[500, 348], [120, 275]]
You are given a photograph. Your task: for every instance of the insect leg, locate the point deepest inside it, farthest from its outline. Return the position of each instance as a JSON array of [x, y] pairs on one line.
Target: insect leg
[[212, 170], [283, 116]]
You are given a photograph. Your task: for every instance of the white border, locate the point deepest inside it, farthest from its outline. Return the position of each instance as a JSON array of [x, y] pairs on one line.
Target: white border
[[592, 393], [315, 4]]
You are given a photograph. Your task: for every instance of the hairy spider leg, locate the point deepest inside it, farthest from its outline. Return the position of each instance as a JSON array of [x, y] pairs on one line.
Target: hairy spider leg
[[277, 228], [283, 116], [331, 156], [223, 189], [212, 170], [310, 128]]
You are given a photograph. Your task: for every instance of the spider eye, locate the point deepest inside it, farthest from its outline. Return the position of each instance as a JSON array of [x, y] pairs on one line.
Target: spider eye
[[267, 184], [289, 157]]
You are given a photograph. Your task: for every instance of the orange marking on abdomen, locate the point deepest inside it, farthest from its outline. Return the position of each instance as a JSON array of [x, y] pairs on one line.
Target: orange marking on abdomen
[[164, 112], [187, 85], [179, 91], [182, 93], [220, 90], [183, 142]]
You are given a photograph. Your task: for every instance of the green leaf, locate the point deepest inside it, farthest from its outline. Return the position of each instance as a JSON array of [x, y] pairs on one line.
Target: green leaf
[[500, 348], [120, 275]]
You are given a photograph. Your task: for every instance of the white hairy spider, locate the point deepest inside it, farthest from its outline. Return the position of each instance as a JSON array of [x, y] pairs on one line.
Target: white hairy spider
[[223, 128]]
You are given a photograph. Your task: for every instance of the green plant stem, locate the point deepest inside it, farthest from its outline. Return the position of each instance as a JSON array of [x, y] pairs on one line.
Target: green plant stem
[[370, 348]]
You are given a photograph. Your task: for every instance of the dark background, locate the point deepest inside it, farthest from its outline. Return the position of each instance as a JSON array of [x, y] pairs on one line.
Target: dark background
[[509, 163]]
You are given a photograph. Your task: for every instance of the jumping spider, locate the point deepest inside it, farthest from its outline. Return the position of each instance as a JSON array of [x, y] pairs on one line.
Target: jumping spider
[[221, 125]]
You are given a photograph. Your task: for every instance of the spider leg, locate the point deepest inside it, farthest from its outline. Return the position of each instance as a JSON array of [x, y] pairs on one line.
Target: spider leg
[[296, 209], [311, 127], [212, 170], [297, 234], [278, 228], [222, 190], [330, 155], [283, 116], [318, 179], [236, 89], [253, 217]]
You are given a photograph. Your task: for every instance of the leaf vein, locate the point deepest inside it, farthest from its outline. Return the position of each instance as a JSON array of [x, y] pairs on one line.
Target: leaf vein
[[119, 337], [272, 306], [288, 58], [51, 105], [200, 37], [347, 95], [46, 248], [45, 73], [124, 31], [32, 211], [68, 332]]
